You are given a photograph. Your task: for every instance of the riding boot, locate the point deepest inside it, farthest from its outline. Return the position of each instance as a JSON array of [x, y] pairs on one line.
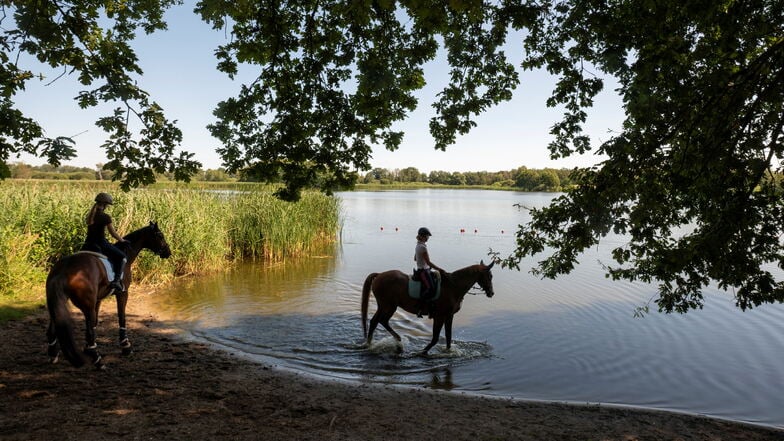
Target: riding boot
[[117, 285], [422, 304]]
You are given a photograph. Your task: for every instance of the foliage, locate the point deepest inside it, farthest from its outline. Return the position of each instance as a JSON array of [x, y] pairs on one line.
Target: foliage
[[334, 77], [547, 179], [16, 273], [206, 227], [525, 180], [285, 229], [20, 170], [92, 40], [702, 88], [689, 178]]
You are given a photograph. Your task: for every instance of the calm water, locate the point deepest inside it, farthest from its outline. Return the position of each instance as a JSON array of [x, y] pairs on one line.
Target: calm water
[[573, 339]]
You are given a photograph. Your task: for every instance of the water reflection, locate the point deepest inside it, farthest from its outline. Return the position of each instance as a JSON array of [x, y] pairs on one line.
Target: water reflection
[[259, 289], [443, 380]]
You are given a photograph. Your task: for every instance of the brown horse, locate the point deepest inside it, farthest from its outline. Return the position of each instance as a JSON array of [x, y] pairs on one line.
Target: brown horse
[[390, 289], [82, 278]]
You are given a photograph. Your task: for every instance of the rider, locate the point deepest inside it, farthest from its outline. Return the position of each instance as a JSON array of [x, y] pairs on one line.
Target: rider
[[98, 221], [423, 266]]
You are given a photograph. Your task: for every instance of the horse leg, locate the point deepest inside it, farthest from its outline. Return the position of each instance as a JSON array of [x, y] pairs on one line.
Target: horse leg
[[97, 313], [372, 327], [91, 349], [54, 347], [122, 301], [385, 323], [382, 316], [384, 320], [448, 331], [437, 324]]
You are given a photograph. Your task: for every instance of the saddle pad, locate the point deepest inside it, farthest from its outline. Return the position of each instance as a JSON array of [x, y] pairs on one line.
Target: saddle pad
[[104, 260], [415, 286]]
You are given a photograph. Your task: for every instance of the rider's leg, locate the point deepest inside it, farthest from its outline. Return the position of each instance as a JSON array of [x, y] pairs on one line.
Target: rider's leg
[[426, 292], [431, 293], [118, 259]]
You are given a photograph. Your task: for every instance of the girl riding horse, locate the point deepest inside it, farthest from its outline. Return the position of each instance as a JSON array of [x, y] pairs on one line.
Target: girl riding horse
[[98, 222]]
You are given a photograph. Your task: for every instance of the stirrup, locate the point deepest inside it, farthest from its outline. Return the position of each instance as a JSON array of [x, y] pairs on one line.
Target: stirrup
[[116, 287]]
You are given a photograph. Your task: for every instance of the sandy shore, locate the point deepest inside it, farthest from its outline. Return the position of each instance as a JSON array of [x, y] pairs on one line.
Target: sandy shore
[[171, 389]]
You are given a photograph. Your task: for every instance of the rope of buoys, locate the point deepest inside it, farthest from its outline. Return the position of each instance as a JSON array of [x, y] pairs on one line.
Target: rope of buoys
[[462, 230]]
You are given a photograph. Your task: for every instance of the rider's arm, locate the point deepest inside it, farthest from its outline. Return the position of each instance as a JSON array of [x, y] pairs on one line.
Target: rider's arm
[[113, 232], [426, 255]]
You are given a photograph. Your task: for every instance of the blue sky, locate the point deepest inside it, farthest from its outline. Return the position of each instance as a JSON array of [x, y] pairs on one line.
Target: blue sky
[[179, 72]]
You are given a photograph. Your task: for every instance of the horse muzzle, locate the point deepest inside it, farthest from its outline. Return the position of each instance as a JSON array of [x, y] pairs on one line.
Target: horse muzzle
[[164, 253]]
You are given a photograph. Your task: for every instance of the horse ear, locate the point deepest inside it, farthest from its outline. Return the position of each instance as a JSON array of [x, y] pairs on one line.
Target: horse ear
[[482, 262], [491, 265]]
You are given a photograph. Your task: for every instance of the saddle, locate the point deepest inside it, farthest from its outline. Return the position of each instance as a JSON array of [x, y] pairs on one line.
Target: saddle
[[105, 260], [415, 286]]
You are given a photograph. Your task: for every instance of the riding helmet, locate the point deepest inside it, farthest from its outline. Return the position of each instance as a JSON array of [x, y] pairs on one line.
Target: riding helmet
[[423, 232], [104, 198]]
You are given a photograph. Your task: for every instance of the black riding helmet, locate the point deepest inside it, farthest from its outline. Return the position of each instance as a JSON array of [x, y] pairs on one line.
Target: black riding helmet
[[104, 198], [423, 232]]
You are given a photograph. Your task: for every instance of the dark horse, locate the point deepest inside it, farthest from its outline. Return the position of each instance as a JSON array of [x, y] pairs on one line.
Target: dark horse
[[390, 289], [82, 278]]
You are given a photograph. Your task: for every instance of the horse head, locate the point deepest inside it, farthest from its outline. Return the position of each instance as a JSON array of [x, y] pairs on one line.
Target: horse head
[[156, 242], [485, 280]]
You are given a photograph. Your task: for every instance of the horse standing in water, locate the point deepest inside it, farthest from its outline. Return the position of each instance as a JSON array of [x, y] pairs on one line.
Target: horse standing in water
[[390, 289], [82, 278]]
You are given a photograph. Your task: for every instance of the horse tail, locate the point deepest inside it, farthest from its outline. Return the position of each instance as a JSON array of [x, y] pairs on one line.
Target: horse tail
[[57, 304], [365, 298]]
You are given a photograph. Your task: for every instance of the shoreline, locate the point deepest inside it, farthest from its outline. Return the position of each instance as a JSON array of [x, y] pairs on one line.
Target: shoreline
[[466, 394], [175, 389], [271, 363]]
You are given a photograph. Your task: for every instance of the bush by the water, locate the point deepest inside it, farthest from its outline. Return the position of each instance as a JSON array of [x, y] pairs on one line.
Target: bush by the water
[[207, 227]]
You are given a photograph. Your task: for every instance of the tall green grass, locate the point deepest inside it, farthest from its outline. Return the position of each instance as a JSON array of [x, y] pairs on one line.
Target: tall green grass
[[207, 228]]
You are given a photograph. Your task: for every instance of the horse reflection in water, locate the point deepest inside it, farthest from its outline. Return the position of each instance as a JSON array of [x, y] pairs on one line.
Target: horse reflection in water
[[390, 289]]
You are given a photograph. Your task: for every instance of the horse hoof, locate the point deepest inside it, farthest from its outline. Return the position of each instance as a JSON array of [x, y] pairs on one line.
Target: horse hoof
[[128, 350], [54, 359]]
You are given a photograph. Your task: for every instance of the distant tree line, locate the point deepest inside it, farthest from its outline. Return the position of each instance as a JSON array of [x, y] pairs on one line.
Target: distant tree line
[[523, 178], [21, 170]]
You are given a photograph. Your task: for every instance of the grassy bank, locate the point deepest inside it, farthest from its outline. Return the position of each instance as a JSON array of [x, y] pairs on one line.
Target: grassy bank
[[208, 227]]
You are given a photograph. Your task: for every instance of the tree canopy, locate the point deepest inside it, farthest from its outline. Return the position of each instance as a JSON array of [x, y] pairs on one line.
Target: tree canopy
[[91, 40], [690, 179]]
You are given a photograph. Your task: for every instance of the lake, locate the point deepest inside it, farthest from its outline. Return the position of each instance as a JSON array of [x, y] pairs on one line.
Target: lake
[[574, 339]]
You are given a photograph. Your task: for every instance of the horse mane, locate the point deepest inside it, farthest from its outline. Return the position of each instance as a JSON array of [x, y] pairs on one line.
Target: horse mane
[[470, 269], [131, 237]]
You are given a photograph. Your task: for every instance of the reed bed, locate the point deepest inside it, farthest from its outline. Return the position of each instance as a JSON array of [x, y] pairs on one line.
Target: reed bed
[[207, 228]]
